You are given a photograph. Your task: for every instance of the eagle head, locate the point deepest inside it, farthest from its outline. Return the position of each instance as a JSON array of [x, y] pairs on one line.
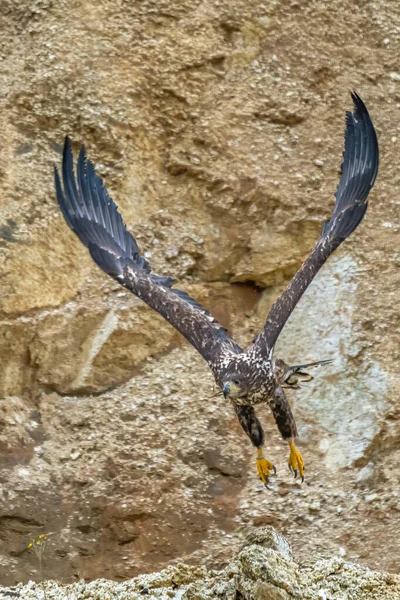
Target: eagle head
[[240, 378], [234, 385]]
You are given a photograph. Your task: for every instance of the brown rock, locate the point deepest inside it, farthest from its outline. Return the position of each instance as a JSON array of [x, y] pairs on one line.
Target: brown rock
[[218, 129]]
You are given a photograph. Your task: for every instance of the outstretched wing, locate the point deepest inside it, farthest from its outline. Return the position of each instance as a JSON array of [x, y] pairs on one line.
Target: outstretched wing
[[94, 217], [359, 170]]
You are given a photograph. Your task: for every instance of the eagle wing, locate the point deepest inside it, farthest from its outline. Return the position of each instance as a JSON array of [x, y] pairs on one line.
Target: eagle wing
[[94, 218], [359, 171]]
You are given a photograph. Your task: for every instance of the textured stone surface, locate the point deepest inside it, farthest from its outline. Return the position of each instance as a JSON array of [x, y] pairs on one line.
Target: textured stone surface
[[217, 127], [358, 391], [264, 569]]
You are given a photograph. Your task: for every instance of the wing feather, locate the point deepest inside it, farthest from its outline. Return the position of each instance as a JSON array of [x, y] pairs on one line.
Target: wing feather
[[93, 216], [359, 171]]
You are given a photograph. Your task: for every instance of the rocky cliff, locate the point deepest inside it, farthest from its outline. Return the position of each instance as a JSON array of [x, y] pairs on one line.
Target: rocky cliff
[[218, 129], [263, 569]]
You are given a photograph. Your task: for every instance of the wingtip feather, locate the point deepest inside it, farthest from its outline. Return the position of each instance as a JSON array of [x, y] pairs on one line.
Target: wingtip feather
[[92, 214], [359, 171], [359, 106]]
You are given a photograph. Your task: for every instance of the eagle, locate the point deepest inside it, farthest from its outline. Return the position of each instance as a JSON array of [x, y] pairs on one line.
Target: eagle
[[245, 377]]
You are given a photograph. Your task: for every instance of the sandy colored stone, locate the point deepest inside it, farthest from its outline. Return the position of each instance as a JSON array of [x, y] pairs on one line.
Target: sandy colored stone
[[275, 255], [41, 273], [218, 129]]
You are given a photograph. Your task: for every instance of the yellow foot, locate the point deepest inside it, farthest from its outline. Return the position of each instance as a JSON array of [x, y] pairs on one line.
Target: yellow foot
[[296, 464], [264, 468]]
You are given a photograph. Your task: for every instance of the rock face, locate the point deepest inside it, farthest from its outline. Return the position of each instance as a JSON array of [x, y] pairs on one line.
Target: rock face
[[218, 129], [264, 569]]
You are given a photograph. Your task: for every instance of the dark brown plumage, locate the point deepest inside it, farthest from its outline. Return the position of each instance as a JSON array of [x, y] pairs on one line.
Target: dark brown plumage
[[359, 171], [247, 378]]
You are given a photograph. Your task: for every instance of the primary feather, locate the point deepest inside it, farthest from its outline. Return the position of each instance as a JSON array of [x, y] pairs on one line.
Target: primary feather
[[94, 218], [359, 171]]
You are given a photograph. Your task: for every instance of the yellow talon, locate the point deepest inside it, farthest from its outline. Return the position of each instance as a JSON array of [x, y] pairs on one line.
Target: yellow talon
[[264, 467], [296, 463]]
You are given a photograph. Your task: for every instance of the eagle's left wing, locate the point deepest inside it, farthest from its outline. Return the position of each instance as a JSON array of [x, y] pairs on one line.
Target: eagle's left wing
[[359, 170], [94, 218]]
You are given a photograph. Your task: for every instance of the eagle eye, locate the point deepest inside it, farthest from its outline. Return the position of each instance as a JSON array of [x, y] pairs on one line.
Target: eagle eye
[[236, 381]]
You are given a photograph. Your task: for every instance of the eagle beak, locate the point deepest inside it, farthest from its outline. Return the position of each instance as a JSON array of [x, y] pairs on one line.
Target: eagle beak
[[226, 389]]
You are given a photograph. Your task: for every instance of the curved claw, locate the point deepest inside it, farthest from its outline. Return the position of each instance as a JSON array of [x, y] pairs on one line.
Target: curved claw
[[296, 464], [264, 469]]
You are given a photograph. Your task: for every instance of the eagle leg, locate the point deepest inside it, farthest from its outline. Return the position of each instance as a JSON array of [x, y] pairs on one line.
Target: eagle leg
[[287, 426], [295, 463], [252, 426]]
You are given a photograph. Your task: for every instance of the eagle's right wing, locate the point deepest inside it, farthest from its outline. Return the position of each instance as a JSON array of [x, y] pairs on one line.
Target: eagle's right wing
[[359, 170], [94, 218]]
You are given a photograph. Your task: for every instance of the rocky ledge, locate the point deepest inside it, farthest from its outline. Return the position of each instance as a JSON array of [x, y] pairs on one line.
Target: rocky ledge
[[263, 569]]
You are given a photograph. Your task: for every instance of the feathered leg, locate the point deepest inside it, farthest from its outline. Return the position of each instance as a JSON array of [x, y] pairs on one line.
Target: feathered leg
[[287, 426], [252, 426]]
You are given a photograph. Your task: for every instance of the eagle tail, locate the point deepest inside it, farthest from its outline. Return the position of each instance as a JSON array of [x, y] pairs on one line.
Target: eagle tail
[[359, 171], [94, 217], [295, 374]]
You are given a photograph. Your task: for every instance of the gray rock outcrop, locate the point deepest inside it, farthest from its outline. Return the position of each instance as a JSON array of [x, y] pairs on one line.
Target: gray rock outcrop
[[264, 569]]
